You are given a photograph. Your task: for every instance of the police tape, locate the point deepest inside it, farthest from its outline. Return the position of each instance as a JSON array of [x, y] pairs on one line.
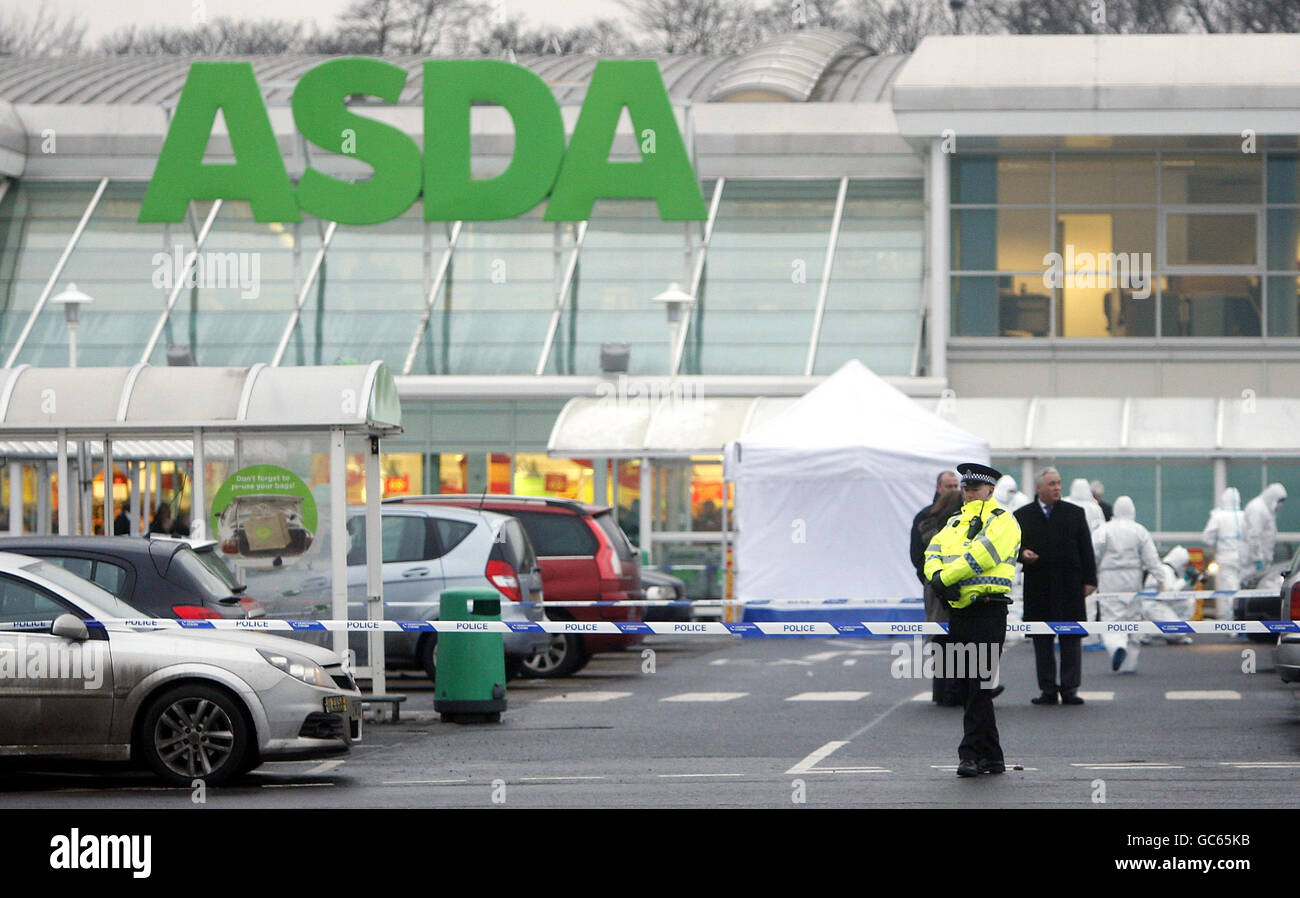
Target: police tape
[[1144, 596], [694, 628]]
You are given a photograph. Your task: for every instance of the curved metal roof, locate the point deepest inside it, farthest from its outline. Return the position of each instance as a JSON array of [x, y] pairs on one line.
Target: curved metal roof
[[787, 67], [157, 80], [816, 64]]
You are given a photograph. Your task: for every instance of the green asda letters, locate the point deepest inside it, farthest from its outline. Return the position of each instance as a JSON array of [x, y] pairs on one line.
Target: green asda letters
[[540, 166]]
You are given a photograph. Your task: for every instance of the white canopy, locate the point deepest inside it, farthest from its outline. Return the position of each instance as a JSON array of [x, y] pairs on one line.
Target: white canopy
[[827, 489]]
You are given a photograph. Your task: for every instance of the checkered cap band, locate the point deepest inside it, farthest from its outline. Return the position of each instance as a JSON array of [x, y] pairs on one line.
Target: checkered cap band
[[979, 478]]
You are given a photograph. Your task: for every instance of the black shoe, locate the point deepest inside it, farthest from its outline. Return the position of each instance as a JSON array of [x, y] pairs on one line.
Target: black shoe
[[1069, 698], [1047, 698], [968, 768], [996, 691], [992, 767], [1118, 658]]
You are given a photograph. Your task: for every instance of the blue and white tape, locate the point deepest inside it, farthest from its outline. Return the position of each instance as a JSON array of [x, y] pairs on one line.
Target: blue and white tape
[[698, 628]]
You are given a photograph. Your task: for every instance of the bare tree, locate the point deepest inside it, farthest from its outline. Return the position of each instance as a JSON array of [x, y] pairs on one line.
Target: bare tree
[[897, 26], [697, 26], [220, 37], [602, 37], [1244, 15], [43, 34]]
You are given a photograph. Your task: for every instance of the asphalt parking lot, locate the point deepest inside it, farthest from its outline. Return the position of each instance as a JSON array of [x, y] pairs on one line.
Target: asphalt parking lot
[[722, 722]]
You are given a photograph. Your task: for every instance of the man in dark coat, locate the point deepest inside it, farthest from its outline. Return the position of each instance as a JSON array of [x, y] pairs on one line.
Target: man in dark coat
[[1060, 571], [947, 500]]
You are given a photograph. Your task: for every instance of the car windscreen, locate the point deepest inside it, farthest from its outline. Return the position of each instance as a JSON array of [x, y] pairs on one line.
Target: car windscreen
[[102, 599], [554, 533], [616, 535], [212, 561], [194, 576]]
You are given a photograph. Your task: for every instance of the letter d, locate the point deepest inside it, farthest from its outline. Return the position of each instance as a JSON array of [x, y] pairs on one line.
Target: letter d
[[451, 87]]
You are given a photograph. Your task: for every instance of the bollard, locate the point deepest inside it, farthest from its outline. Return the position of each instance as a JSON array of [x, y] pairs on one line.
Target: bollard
[[470, 686]]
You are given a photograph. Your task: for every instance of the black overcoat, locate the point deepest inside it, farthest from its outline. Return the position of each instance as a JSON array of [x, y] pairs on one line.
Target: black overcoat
[[1054, 583]]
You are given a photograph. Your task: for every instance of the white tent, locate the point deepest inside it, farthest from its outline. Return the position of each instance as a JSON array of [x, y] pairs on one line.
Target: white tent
[[826, 491]]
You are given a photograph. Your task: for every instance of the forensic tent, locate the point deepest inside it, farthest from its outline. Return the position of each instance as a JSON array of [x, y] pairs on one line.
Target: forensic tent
[[826, 491]]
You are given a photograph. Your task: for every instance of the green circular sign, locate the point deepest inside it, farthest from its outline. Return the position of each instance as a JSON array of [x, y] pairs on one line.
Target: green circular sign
[[258, 497]]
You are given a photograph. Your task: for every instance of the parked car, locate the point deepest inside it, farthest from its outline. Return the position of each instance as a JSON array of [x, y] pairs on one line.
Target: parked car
[[1286, 654], [585, 556], [1260, 608], [657, 584], [187, 704], [162, 577], [427, 550], [264, 527]]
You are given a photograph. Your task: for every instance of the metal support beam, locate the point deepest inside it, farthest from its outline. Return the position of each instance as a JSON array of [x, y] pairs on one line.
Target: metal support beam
[[937, 215], [108, 487], [191, 258], [561, 298], [198, 490], [15, 499], [698, 277], [831, 243], [65, 490], [338, 527], [312, 273], [432, 299], [55, 274], [374, 568]]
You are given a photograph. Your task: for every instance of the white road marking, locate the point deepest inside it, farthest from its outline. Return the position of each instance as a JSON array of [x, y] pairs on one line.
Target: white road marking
[[420, 782], [593, 696], [810, 762], [823, 656], [705, 697], [783, 661], [828, 697], [293, 785], [849, 662], [1261, 765], [1202, 694], [1099, 696], [533, 779], [718, 662], [922, 697], [692, 775], [323, 767], [849, 770]]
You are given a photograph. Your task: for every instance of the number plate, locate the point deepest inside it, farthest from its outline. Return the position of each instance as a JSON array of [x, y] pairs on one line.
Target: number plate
[[335, 703]]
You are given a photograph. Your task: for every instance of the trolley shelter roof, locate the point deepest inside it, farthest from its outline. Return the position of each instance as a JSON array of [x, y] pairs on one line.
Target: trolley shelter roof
[[1039, 427], [146, 405]]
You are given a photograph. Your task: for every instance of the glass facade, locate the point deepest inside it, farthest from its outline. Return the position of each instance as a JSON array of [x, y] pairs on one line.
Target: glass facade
[[512, 295], [1154, 244]]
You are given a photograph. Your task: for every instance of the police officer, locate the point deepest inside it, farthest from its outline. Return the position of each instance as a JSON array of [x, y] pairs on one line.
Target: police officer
[[971, 563]]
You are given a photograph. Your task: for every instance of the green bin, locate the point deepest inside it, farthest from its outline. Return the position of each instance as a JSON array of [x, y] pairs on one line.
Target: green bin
[[471, 682]]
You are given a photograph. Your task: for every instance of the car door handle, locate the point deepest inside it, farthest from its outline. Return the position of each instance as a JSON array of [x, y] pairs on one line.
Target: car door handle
[[412, 573]]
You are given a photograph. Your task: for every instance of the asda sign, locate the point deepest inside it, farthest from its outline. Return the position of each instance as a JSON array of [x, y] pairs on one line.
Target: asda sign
[[573, 178]]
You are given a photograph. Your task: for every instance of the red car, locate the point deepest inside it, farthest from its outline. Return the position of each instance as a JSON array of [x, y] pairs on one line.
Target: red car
[[584, 556]]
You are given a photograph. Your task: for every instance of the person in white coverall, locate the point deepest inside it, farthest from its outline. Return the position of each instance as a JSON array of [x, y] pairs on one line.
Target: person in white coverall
[[1081, 495], [1125, 552], [1261, 525], [1007, 495], [1172, 578], [1225, 534]]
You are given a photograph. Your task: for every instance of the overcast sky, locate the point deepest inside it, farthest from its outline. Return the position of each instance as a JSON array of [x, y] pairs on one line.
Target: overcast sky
[[105, 16]]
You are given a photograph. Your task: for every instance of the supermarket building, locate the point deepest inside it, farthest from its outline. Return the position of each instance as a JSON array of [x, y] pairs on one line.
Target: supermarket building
[[1084, 249]]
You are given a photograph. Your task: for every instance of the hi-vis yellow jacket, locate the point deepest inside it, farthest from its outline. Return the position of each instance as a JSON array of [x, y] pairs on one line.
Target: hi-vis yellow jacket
[[983, 565]]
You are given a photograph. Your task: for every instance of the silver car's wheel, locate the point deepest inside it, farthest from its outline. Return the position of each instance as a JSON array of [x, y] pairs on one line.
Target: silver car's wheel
[[194, 732]]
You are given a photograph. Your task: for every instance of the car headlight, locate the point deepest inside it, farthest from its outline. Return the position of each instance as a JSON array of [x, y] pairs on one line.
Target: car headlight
[[660, 592], [298, 667]]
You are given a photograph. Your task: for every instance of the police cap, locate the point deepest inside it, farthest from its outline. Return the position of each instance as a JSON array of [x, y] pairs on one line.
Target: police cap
[[973, 472]]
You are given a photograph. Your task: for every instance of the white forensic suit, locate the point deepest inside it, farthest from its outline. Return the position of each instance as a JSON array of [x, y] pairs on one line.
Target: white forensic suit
[[1225, 535], [1007, 495], [1173, 578], [1125, 552], [1081, 495], [1261, 525]]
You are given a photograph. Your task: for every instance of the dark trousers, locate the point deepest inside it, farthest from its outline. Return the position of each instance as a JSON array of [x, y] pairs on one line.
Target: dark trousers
[[945, 689], [1071, 663], [985, 627]]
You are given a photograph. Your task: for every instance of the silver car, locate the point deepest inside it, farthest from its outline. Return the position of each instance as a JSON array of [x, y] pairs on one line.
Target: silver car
[[427, 549], [188, 704]]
